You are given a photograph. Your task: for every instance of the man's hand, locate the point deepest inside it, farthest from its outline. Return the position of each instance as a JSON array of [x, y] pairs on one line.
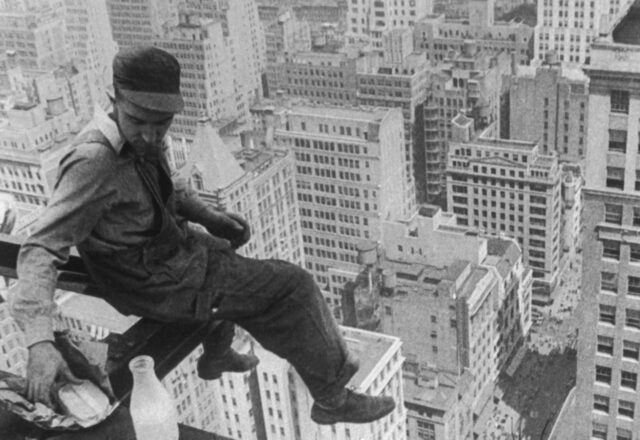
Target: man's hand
[[44, 367], [231, 227]]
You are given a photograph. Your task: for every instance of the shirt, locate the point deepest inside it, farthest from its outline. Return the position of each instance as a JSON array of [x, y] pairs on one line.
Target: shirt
[[129, 224]]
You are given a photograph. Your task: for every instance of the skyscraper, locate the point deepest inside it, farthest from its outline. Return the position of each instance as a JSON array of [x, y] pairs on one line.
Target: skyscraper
[[137, 22], [469, 81], [351, 175], [286, 403], [372, 19], [510, 188], [609, 347], [548, 104], [33, 32], [570, 27], [206, 79]]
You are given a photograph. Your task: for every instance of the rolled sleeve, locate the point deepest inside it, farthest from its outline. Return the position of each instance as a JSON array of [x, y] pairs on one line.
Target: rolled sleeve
[[80, 197]]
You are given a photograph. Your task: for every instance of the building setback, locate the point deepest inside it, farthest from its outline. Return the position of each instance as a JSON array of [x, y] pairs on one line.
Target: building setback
[[607, 397], [469, 81], [510, 188]]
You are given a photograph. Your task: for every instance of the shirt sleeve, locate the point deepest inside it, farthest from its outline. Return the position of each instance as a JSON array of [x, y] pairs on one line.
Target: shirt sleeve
[[190, 206], [80, 197]]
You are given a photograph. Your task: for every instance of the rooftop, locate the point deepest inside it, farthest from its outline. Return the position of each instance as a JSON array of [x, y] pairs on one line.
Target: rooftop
[[360, 113], [369, 348]]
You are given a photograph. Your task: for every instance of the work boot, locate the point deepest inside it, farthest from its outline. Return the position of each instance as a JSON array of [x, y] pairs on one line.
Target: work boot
[[355, 408], [232, 361]]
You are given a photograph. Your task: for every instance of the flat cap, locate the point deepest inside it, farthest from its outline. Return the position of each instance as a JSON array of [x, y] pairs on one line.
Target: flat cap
[[148, 77]]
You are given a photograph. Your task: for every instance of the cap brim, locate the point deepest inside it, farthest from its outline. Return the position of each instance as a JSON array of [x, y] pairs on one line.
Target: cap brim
[[162, 102]]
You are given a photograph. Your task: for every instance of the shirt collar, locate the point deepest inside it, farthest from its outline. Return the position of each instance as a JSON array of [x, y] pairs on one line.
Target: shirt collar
[[108, 127]]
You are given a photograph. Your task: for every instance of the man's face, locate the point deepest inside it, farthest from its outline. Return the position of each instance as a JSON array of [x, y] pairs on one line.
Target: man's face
[[144, 129]]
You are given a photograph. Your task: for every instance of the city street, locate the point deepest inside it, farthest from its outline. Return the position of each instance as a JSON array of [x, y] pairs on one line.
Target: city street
[[532, 398]]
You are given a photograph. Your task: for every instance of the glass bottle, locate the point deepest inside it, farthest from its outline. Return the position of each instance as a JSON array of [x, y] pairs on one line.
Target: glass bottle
[[152, 410]]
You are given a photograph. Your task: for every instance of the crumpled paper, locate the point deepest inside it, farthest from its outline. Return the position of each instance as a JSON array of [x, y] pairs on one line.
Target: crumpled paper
[[87, 360]]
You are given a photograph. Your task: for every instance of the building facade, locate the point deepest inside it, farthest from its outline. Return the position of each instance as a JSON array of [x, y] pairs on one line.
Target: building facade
[[372, 18], [435, 35], [510, 188], [609, 346], [470, 82], [570, 27], [33, 33], [350, 174], [206, 80], [136, 22], [287, 404], [548, 105], [286, 34]]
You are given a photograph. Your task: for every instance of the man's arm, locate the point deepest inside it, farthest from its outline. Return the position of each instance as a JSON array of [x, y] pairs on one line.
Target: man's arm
[[78, 201], [221, 224]]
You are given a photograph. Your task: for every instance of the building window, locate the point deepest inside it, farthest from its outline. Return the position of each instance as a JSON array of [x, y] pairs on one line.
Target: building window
[[605, 345], [611, 249], [609, 282], [619, 101], [634, 253], [623, 434], [631, 350], [628, 379], [626, 408], [634, 286], [613, 214], [601, 403], [615, 177], [426, 430], [632, 318], [618, 141], [603, 374], [636, 216], [598, 430], [607, 314]]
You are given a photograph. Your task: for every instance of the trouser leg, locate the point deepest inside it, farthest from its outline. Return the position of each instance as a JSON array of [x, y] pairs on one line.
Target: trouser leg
[[219, 338], [281, 306]]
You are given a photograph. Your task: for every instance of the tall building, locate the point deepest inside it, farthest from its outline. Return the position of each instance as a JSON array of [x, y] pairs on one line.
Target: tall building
[[286, 34], [317, 76], [350, 174], [372, 18], [570, 27], [136, 22], [461, 304], [89, 38], [206, 80], [286, 403], [469, 81], [33, 32], [245, 40], [609, 348], [398, 80], [510, 188], [32, 139], [548, 105], [256, 183], [436, 35]]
